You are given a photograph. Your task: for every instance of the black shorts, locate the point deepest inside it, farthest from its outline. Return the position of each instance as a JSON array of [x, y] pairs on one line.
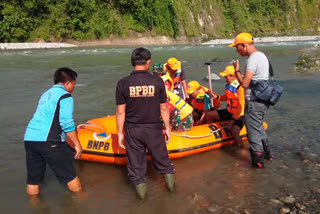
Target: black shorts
[[225, 115], [56, 154]]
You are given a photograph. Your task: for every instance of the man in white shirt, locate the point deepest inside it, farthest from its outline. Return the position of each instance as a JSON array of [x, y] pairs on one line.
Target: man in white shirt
[[257, 68]]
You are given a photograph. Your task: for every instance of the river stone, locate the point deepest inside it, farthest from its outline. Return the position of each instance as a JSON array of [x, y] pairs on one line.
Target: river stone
[[284, 210], [293, 212], [288, 199], [315, 189], [214, 208], [300, 206], [276, 202], [232, 211], [302, 212], [307, 160], [213, 76], [246, 212]]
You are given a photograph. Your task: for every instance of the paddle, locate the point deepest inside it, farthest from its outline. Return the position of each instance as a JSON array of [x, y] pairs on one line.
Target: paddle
[[209, 77]]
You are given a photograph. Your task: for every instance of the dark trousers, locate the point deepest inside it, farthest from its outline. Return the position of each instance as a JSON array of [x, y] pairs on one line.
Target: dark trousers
[[138, 139], [254, 116]]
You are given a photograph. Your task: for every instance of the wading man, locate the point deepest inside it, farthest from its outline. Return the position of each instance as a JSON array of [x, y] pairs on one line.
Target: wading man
[[45, 135], [141, 100], [257, 68]]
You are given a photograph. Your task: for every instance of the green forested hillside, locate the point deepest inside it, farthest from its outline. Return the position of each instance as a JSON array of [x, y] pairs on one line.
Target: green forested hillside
[[58, 20]]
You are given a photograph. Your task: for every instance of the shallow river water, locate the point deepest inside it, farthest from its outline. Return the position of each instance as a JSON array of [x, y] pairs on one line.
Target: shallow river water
[[217, 181]]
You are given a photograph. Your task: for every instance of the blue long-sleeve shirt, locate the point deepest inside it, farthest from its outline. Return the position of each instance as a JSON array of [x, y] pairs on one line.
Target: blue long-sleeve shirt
[[53, 117]]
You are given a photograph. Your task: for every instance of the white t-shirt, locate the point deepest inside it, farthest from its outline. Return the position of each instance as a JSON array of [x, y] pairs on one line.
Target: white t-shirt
[[258, 64]]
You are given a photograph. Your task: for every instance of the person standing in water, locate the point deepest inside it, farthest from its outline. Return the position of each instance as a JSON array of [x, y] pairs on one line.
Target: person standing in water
[[44, 138], [141, 99], [257, 68]]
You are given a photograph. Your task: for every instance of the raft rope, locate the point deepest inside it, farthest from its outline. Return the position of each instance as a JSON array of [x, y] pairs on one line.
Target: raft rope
[[200, 136], [171, 133]]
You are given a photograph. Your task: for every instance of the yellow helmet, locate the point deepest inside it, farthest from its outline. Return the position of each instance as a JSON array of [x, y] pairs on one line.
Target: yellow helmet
[[228, 71], [173, 63], [242, 38], [192, 86]]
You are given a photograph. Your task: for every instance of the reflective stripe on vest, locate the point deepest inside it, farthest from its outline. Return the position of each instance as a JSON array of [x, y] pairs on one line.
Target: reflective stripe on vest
[[184, 108], [233, 102], [177, 78], [168, 78]]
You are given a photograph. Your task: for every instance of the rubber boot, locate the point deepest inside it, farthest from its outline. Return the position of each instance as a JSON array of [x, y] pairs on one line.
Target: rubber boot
[[141, 190], [266, 148], [170, 181], [256, 159]]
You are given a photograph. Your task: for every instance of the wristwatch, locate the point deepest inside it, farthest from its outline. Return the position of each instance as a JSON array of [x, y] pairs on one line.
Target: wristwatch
[[237, 72]]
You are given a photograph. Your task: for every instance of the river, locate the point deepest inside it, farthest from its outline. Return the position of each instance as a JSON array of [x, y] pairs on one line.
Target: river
[[217, 181]]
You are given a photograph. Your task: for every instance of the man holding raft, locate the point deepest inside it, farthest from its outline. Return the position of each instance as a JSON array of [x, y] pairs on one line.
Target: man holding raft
[[44, 138]]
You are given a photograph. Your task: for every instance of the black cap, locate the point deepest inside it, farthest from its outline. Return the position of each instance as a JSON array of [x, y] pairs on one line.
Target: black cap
[[140, 56]]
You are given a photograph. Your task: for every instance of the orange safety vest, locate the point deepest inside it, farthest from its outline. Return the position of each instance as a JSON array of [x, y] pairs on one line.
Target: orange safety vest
[[198, 102], [234, 95], [176, 77]]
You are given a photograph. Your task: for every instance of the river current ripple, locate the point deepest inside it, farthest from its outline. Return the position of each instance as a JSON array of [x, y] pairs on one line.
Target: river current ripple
[[217, 181]]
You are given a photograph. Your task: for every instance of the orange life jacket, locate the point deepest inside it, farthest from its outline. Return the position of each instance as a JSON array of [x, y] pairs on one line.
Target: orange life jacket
[[198, 102], [176, 76], [234, 95]]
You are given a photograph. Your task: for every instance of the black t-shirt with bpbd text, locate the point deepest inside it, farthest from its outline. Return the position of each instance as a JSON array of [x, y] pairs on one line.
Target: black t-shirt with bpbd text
[[142, 94]]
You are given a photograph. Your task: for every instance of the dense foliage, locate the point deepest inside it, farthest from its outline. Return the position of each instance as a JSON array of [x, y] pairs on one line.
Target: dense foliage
[[57, 20]]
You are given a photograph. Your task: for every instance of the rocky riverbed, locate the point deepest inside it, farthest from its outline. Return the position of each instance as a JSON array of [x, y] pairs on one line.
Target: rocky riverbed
[[305, 202]]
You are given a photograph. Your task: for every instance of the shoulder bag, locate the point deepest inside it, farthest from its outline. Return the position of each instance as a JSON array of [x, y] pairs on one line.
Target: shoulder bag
[[268, 91]]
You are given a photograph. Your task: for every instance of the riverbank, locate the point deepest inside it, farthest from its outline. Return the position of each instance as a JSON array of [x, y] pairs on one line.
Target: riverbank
[[144, 41]]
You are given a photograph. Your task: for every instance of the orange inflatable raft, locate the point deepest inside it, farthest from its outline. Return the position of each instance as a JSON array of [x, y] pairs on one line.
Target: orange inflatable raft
[[99, 140]]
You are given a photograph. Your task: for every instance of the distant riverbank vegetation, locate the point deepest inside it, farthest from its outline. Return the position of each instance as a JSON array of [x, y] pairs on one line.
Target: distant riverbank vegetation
[[61, 20]]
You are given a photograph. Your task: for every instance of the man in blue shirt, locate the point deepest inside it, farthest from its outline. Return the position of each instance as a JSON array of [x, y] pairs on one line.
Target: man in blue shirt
[[45, 135]]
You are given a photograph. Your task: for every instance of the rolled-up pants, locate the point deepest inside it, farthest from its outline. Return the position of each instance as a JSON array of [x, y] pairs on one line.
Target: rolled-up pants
[[138, 139], [254, 117]]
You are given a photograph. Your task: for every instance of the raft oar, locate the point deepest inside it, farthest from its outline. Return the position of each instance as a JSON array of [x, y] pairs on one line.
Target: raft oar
[[211, 76]]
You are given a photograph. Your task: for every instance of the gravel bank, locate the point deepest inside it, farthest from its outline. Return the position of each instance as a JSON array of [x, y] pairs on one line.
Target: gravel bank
[[33, 45], [266, 39]]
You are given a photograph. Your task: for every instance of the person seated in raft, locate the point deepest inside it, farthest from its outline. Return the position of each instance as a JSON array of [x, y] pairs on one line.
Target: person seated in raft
[[234, 96], [178, 77], [180, 112], [200, 99]]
